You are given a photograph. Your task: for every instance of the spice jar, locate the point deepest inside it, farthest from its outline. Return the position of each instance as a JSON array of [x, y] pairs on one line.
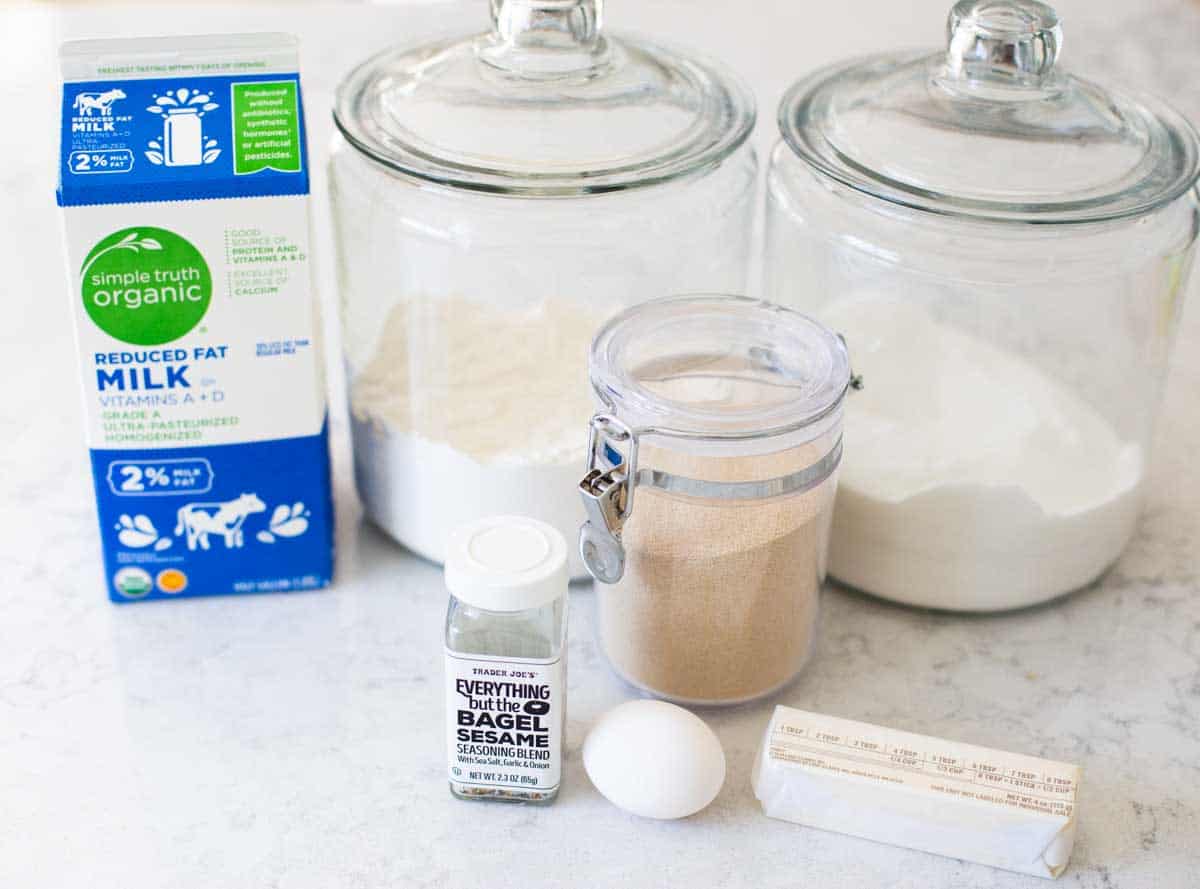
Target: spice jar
[[712, 469], [496, 198], [506, 649], [1005, 248]]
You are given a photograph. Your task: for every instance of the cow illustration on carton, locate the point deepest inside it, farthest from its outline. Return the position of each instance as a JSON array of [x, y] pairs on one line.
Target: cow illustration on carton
[[198, 520], [86, 103]]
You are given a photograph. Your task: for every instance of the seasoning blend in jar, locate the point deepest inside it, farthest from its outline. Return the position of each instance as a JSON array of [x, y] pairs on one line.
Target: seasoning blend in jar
[[1006, 249], [496, 198], [713, 466], [506, 635]]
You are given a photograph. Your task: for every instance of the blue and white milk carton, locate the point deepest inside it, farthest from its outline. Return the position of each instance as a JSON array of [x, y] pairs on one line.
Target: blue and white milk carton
[[184, 184]]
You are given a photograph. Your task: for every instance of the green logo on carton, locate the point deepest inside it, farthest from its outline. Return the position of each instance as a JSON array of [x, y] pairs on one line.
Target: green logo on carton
[[145, 286], [132, 583]]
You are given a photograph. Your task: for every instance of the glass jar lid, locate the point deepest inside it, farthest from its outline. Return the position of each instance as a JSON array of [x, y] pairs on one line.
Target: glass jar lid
[[717, 367], [544, 104], [992, 128]]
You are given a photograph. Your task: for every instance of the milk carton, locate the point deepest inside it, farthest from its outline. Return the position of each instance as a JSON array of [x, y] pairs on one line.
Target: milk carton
[[183, 179]]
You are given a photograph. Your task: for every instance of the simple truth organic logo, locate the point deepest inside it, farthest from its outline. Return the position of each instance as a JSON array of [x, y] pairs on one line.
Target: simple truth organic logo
[[183, 143], [145, 286]]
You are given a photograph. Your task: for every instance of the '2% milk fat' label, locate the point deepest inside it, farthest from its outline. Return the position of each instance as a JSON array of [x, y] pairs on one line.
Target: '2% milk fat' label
[[184, 184], [505, 719]]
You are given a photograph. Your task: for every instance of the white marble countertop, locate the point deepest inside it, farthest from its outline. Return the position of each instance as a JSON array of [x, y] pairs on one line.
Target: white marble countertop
[[297, 740]]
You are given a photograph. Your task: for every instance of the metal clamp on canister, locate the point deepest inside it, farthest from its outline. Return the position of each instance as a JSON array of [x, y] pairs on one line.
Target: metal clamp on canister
[[607, 492]]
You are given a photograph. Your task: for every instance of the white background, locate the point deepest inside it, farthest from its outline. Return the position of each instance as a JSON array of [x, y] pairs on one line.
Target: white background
[[297, 741]]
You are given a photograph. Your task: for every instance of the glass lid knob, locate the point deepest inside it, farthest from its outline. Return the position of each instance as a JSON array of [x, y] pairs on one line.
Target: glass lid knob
[[545, 38], [1002, 41]]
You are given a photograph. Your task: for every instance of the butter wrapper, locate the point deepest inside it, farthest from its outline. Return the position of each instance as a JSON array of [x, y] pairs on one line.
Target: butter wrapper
[[1001, 809]]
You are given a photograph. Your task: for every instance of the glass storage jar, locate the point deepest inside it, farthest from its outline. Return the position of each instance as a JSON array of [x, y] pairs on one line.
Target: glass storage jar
[[1005, 248], [496, 198], [712, 469]]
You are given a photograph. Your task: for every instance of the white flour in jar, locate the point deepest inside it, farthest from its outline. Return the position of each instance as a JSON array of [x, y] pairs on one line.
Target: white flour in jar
[[971, 480], [465, 410]]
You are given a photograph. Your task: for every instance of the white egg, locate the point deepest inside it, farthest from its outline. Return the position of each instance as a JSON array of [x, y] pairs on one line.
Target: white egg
[[654, 759]]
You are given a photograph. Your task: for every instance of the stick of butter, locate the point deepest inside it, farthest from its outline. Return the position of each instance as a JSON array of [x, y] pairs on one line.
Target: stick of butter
[[1001, 809]]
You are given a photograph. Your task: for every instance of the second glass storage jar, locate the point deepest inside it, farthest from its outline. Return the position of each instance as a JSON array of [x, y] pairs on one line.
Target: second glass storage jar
[[496, 198], [1005, 248], [713, 466]]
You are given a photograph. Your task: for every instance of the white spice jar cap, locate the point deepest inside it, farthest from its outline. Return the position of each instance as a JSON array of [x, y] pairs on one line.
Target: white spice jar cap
[[506, 563]]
